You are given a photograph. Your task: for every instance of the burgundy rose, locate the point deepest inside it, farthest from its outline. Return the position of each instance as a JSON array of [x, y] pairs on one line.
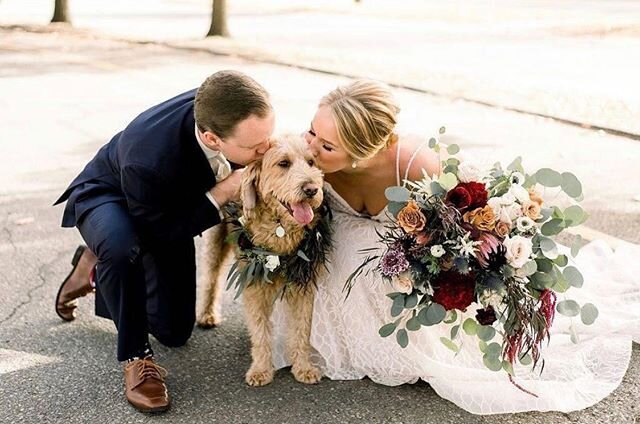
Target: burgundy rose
[[468, 196], [486, 316], [454, 290]]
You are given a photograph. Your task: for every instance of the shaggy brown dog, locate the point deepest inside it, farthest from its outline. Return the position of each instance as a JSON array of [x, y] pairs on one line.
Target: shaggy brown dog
[[282, 190]]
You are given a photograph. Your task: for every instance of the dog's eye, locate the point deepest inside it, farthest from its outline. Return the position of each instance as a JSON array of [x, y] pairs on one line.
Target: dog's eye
[[310, 162], [284, 164]]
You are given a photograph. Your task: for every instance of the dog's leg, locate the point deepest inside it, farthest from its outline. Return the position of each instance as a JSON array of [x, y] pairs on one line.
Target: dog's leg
[[258, 305], [209, 310], [301, 310]]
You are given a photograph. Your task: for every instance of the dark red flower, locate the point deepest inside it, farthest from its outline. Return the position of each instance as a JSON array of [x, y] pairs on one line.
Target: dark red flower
[[454, 290], [486, 316], [244, 242], [468, 196]]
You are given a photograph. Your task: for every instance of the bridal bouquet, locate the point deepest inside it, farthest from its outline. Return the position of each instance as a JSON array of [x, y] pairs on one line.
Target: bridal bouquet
[[474, 251]]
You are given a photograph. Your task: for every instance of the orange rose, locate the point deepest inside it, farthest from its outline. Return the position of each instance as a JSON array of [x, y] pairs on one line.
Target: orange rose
[[483, 219], [531, 209], [535, 197], [411, 218]]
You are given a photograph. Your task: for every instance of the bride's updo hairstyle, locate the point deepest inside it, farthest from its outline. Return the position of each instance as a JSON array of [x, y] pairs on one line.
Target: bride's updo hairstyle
[[364, 113]]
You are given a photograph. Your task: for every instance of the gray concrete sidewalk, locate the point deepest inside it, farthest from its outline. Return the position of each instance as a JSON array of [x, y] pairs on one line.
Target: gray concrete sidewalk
[[65, 93]]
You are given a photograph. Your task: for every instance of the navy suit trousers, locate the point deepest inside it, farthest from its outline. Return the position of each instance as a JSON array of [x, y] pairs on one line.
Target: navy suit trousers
[[142, 288]]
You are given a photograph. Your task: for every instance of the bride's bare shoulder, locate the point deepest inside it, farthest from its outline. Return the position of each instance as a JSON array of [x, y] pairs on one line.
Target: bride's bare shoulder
[[415, 155]]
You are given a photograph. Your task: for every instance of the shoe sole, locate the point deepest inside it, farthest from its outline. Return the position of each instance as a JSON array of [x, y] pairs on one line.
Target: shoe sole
[[157, 410], [74, 262]]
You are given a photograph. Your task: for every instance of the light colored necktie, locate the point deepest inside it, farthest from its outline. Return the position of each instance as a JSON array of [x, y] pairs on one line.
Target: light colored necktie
[[220, 166]]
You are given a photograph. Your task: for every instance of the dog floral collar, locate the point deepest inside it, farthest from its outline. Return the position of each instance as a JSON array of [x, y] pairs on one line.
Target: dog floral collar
[[256, 264]]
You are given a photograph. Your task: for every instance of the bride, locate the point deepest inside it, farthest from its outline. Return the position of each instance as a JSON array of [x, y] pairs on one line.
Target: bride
[[352, 138]]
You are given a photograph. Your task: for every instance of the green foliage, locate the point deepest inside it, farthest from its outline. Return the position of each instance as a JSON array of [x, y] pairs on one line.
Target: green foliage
[[588, 313], [568, 308], [387, 329]]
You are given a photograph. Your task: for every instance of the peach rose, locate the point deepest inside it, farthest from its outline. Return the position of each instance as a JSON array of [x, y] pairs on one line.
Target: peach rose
[[531, 209], [482, 218], [535, 196], [402, 283], [411, 218], [503, 228]]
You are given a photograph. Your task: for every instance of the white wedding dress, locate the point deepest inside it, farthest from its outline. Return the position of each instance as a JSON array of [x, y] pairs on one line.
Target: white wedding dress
[[348, 346]]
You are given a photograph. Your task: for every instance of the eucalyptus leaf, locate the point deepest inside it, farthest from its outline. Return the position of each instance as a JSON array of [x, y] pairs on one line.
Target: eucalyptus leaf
[[387, 329], [432, 143], [576, 245], [452, 149], [454, 331], [453, 161], [436, 188], [561, 260], [450, 344], [588, 313], [549, 248], [574, 216], [301, 254], [398, 306], [526, 359], [571, 185], [413, 324], [506, 365], [411, 301], [573, 276], [435, 313], [516, 165], [541, 280], [553, 227], [486, 332], [529, 268], [448, 181], [544, 265], [548, 177], [452, 316], [492, 362], [482, 345], [493, 349], [396, 207], [402, 338], [442, 130], [568, 308], [397, 194], [470, 326]]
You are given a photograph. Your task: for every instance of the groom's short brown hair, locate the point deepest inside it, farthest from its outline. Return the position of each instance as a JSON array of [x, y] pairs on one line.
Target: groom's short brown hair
[[225, 99]]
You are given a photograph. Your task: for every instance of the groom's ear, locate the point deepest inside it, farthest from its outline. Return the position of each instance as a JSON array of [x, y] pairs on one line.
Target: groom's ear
[[210, 140], [249, 186]]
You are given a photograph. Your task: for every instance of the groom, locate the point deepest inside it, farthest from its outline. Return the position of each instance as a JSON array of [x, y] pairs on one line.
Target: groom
[[139, 203]]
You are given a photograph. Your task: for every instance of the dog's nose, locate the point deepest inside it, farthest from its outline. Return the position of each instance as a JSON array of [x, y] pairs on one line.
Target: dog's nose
[[310, 190]]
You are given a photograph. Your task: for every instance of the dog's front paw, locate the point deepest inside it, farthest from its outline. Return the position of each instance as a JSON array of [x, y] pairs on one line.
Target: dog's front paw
[[307, 375], [209, 320], [258, 378]]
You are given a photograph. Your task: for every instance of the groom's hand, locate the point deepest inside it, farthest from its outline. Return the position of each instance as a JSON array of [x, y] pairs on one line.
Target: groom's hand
[[228, 189]]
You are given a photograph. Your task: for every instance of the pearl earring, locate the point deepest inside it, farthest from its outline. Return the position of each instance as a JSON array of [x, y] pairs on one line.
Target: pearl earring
[[354, 164]]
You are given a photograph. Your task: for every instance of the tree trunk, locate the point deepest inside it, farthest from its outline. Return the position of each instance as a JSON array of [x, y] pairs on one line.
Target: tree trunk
[[61, 12], [219, 19]]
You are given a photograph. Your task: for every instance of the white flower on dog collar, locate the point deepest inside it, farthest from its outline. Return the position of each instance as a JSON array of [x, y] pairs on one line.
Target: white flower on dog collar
[[272, 263], [280, 231]]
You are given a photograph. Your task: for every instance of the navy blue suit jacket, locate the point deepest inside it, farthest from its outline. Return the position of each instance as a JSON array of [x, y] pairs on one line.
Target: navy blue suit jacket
[[156, 168]]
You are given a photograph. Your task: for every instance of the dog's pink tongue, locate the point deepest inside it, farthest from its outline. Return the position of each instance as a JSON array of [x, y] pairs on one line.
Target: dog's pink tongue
[[302, 213]]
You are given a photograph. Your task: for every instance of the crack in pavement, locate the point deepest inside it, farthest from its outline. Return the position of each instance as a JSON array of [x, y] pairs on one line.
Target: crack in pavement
[[32, 290]]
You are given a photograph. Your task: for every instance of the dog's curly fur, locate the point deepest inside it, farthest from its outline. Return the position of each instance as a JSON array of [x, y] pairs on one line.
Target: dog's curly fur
[[286, 175]]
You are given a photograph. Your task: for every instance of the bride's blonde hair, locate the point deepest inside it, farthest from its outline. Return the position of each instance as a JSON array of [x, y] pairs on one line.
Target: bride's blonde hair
[[364, 113]]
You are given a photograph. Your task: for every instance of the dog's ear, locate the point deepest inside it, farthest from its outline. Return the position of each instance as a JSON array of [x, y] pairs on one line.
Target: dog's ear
[[249, 186]]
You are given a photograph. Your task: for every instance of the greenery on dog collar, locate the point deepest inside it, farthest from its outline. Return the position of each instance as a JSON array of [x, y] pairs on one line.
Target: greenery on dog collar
[[256, 264]]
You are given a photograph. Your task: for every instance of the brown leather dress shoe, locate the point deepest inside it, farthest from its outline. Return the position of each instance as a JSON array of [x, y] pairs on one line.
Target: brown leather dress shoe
[[77, 283], [144, 384]]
